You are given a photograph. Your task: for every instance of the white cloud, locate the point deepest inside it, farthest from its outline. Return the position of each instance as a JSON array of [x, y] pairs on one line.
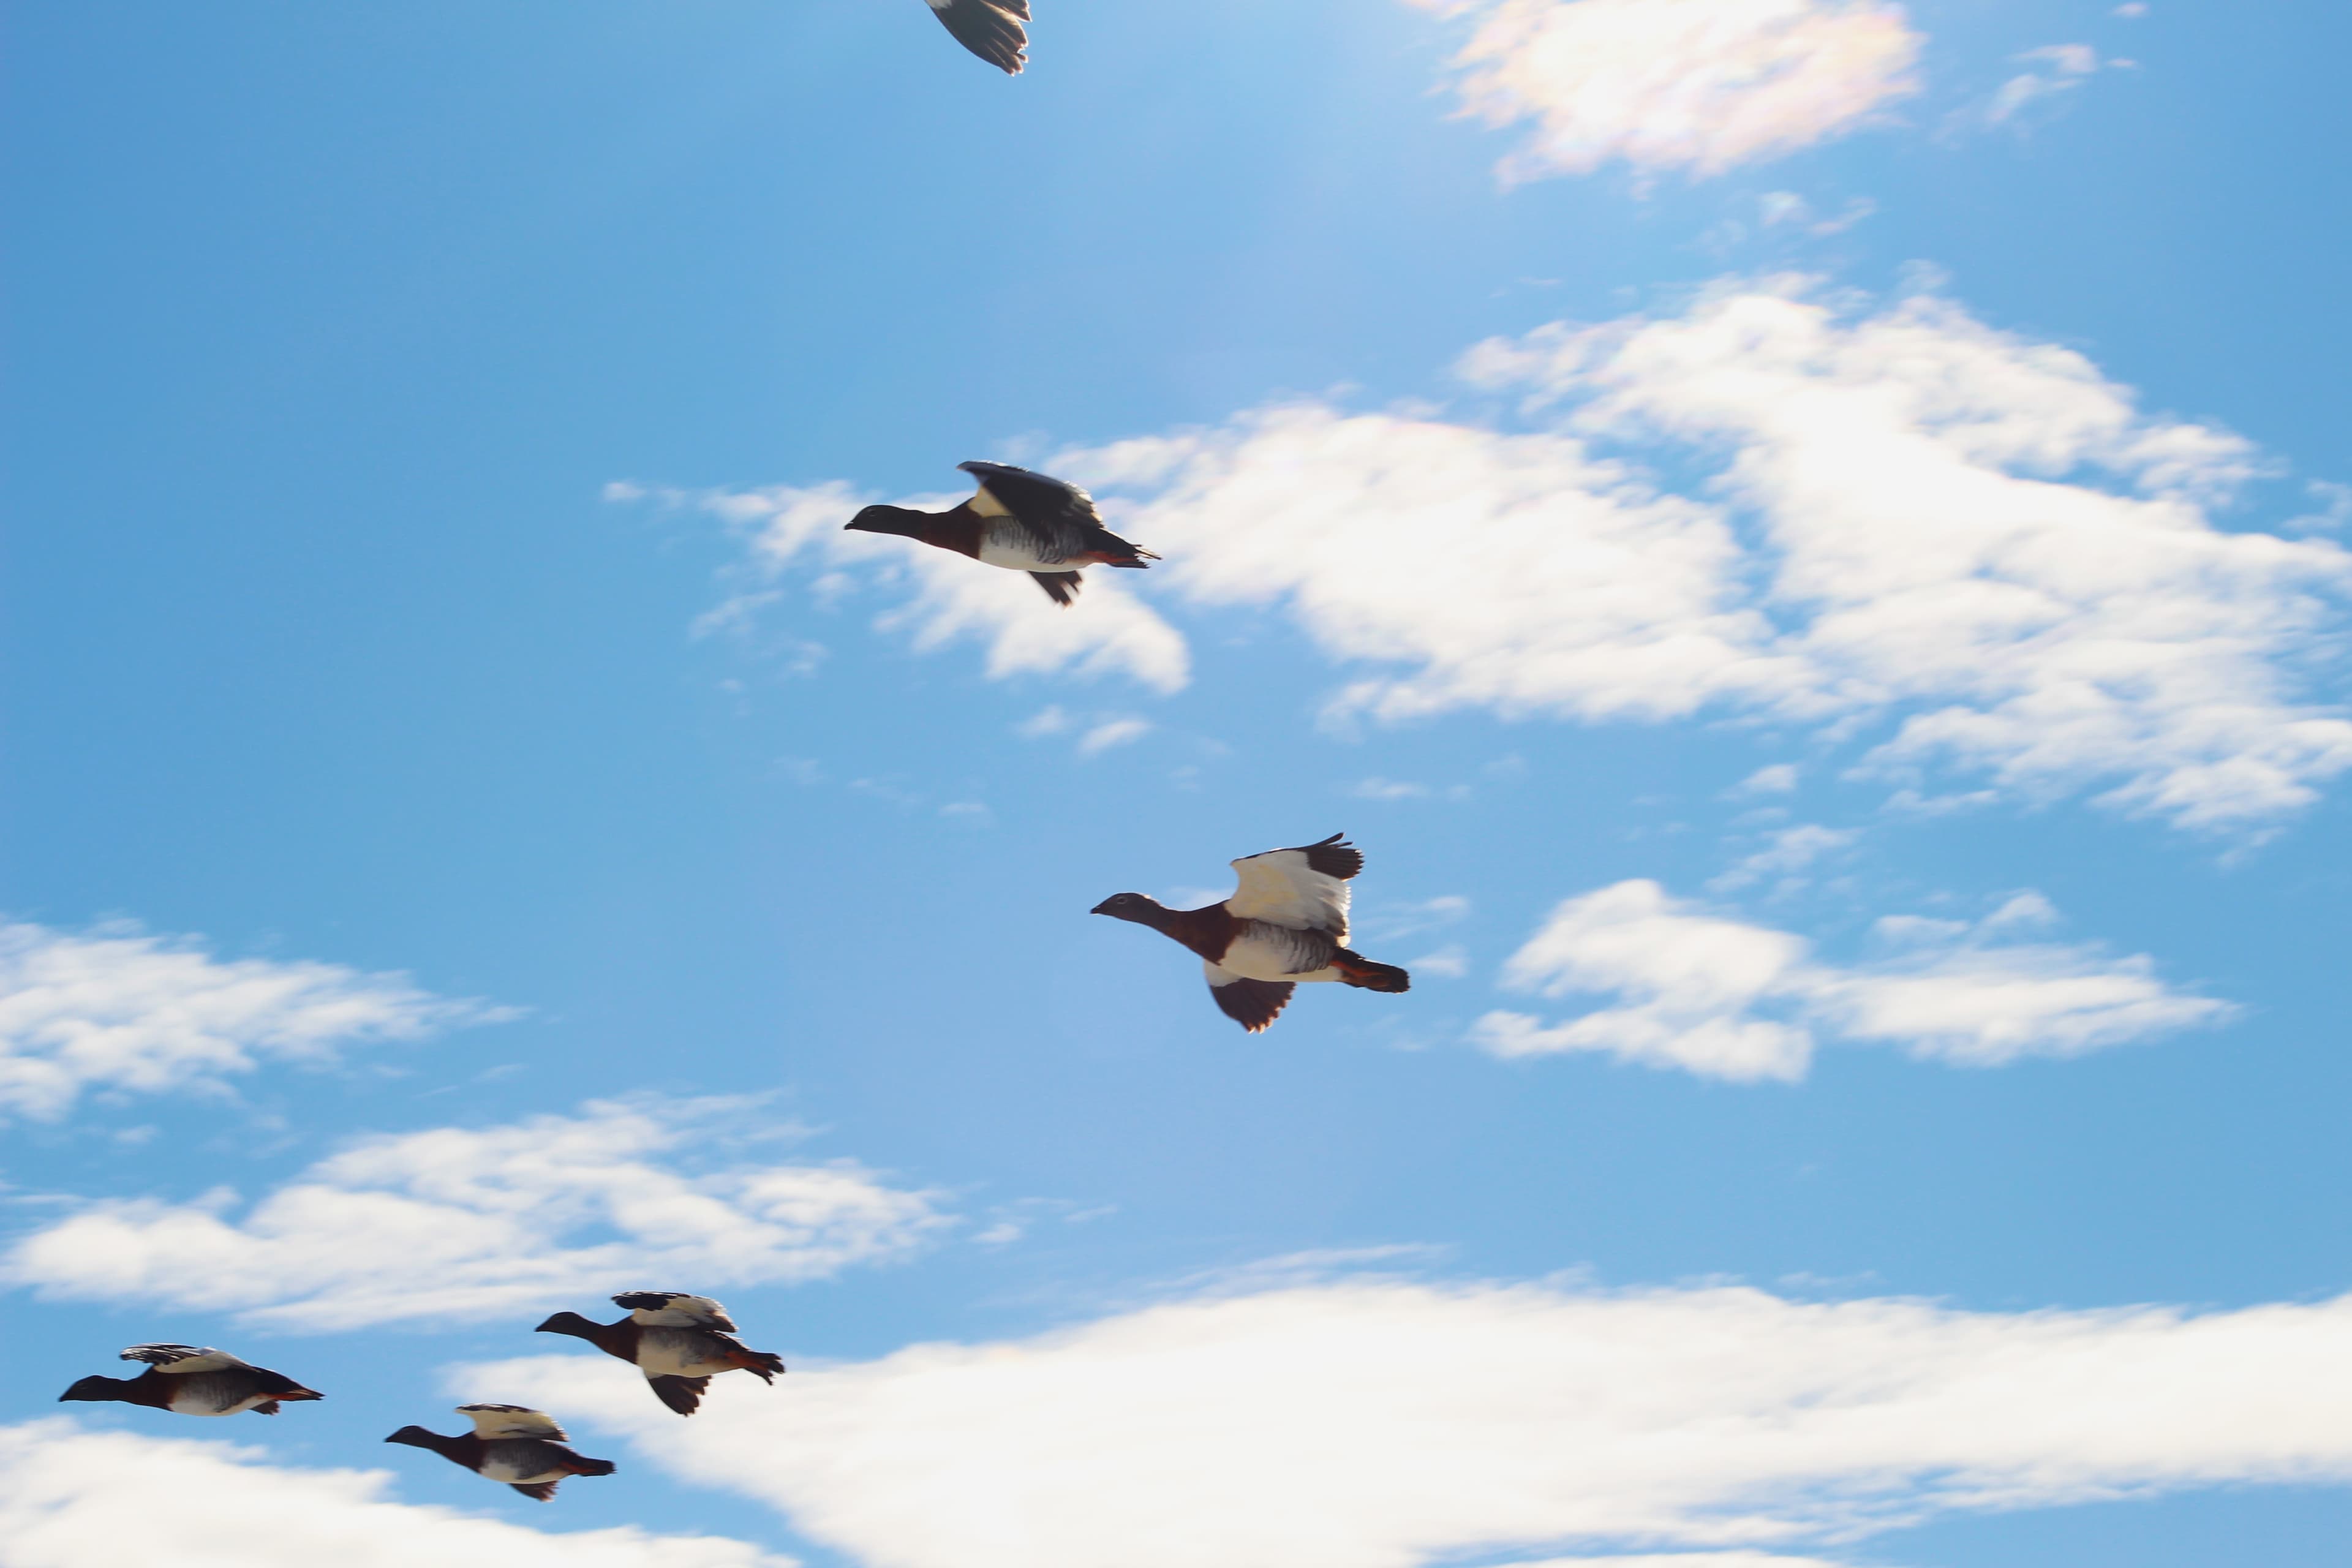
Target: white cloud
[[943, 598], [467, 1223], [2051, 70], [1384, 1424], [1702, 85], [1388, 789], [1451, 962], [1112, 732], [1388, 922], [76, 1499], [1788, 852], [1901, 519], [1778, 778], [1685, 1559], [114, 1008], [1726, 999]]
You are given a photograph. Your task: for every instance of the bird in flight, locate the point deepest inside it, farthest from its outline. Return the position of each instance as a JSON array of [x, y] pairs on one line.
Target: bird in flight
[[193, 1380], [1286, 925], [511, 1444], [679, 1342], [1019, 520], [988, 28]]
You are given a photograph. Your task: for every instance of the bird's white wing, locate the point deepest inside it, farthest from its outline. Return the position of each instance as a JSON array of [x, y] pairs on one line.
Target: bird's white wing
[[182, 1359], [511, 1421], [1283, 887]]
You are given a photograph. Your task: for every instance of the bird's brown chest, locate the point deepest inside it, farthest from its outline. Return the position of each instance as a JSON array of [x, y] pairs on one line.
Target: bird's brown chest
[[1207, 932]]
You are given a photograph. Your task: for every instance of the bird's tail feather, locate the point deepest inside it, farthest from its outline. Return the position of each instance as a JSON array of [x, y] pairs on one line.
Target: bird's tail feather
[[1355, 969]]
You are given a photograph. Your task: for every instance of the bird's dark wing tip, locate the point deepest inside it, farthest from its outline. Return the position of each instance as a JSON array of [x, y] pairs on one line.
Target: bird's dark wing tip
[[1253, 1004], [683, 1395], [1333, 856]]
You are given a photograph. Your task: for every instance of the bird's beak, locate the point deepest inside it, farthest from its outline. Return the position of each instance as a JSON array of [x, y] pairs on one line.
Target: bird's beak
[[1100, 908]]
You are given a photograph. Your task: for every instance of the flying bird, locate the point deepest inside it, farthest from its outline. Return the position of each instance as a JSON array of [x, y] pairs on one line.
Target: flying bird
[[193, 1380], [513, 1443], [1019, 520], [1286, 925], [679, 1342], [988, 28]]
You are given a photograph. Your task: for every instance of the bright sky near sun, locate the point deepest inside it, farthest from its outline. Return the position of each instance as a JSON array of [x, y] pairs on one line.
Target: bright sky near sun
[[1805, 539]]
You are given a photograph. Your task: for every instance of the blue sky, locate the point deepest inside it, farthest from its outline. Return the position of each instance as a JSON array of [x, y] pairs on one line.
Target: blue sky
[[1802, 537]]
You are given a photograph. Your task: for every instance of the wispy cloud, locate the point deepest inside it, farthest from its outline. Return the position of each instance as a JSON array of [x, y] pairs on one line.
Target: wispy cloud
[[1243, 1429], [1787, 852], [62, 1506], [1699, 85], [1111, 732], [461, 1222], [116, 1008], [1723, 998], [2051, 71]]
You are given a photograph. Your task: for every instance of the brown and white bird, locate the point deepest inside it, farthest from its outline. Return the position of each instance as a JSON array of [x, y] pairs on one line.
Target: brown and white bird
[[1285, 926], [679, 1342], [988, 28], [511, 1444], [193, 1380], [1017, 519]]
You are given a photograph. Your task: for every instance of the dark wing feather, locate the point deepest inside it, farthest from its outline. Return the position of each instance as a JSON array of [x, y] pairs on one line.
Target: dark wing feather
[[683, 1395], [1033, 497], [1253, 1004], [1059, 518], [1333, 856], [988, 28], [1060, 586]]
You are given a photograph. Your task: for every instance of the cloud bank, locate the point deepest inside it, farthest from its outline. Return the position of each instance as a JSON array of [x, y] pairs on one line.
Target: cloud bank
[[74, 1499], [116, 1009], [1698, 85], [1903, 520], [1386, 1425], [1725, 999], [470, 1223]]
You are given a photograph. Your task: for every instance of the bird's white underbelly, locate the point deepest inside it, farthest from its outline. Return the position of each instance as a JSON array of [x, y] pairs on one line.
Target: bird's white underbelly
[[1017, 558], [1254, 957], [198, 1398], [515, 1475], [673, 1352]]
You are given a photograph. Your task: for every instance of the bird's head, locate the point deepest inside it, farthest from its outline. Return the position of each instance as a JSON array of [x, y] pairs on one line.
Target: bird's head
[[93, 1387], [894, 520], [1133, 907], [416, 1437]]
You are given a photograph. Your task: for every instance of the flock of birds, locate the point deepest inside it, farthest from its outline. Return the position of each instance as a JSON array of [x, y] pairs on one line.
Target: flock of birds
[[679, 1342], [1284, 925]]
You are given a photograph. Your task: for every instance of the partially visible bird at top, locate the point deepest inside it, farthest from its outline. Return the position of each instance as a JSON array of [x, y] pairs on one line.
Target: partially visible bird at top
[[1284, 925], [988, 28], [193, 1380], [511, 1444], [679, 1342], [1017, 519]]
